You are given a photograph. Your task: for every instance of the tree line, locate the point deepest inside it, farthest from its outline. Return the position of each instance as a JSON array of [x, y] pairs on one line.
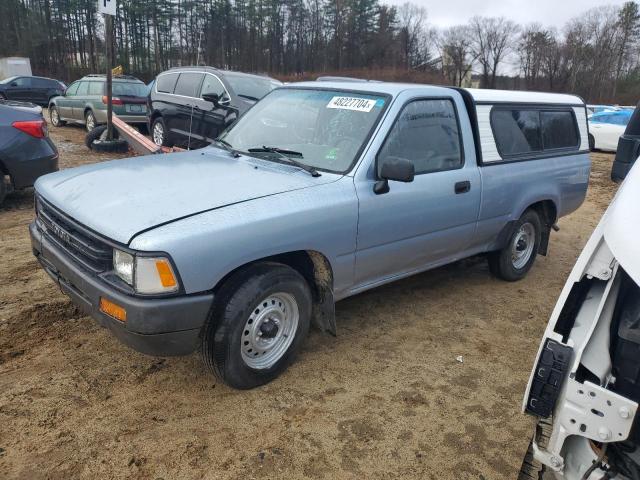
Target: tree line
[[595, 55]]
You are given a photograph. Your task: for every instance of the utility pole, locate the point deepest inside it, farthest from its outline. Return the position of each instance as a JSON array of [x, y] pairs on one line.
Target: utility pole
[[108, 9], [108, 23]]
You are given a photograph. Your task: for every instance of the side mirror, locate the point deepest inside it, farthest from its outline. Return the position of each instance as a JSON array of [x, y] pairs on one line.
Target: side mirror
[[14, 84], [396, 169], [211, 97]]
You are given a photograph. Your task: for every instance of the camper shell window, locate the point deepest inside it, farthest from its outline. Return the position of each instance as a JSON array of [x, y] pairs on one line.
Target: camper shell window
[[530, 131]]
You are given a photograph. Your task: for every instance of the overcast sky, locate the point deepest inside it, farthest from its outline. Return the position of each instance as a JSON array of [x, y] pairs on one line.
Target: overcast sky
[[444, 13]]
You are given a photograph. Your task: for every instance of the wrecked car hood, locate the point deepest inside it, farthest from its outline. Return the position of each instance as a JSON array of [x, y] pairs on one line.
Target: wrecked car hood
[[121, 198], [621, 224]]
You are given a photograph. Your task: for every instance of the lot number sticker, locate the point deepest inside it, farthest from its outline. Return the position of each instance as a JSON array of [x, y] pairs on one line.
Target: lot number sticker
[[351, 103]]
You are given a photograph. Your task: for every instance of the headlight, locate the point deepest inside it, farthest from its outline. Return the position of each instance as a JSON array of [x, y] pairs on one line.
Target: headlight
[[146, 274], [123, 265]]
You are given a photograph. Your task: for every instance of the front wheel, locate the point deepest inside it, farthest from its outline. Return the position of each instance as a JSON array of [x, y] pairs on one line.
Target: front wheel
[[592, 143], [159, 133], [514, 261], [260, 319], [54, 116]]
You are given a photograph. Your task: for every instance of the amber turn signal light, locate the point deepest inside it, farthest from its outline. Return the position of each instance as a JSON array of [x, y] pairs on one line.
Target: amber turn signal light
[[165, 273], [113, 310]]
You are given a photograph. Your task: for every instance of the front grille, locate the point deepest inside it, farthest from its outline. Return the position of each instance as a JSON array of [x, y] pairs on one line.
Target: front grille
[[78, 242]]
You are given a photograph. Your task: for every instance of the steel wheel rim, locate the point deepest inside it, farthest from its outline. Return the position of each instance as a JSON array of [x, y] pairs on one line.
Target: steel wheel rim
[[158, 134], [522, 246], [91, 122], [54, 116], [269, 331]]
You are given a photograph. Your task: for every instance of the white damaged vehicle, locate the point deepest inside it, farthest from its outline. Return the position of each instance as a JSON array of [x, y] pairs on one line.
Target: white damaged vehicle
[[585, 385]]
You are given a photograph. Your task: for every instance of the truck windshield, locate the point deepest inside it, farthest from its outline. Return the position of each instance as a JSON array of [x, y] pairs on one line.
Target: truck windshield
[[326, 128]]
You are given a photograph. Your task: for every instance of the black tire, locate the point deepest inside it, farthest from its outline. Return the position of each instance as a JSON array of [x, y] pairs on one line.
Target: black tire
[[502, 264], [2, 97], [89, 119], [155, 137], [95, 134], [531, 469], [3, 188], [58, 122], [237, 301], [592, 143], [110, 146]]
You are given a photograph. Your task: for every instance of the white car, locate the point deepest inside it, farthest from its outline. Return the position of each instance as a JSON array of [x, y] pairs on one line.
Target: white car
[[585, 385], [605, 129]]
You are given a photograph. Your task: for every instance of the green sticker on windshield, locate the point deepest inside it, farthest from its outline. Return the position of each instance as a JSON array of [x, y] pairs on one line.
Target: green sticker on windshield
[[331, 154]]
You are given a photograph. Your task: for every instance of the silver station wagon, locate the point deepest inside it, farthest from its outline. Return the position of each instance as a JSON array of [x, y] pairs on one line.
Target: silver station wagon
[[320, 191]]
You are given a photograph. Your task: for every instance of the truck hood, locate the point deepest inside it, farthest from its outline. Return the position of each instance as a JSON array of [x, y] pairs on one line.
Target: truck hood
[[121, 198]]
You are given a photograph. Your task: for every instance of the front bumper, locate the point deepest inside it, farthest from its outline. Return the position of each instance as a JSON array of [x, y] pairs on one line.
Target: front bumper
[[160, 327]]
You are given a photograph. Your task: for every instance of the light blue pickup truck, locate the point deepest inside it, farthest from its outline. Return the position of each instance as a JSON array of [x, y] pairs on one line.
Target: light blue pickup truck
[[321, 191]]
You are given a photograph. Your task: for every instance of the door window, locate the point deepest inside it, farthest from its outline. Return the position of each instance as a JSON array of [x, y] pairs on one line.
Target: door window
[[22, 82], [167, 82], [72, 90], [83, 89], [189, 84], [96, 88], [426, 133], [41, 83], [212, 85]]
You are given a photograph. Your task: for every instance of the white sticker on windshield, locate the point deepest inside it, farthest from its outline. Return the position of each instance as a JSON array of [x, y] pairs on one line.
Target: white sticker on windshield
[[351, 103]]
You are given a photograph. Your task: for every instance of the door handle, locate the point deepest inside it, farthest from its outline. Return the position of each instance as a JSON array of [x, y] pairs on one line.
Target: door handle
[[462, 187]]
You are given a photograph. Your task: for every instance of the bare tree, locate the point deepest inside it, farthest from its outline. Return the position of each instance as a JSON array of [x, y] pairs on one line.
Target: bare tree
[[412, 21], [493, 39], [627, 41], [456, 54], [532, 49]]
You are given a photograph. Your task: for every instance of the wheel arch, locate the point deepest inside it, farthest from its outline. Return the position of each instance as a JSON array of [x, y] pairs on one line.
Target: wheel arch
[[316, 269], [547, 210]]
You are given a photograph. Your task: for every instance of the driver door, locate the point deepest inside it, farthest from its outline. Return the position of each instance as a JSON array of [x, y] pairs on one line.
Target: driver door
[[65, 104], [431, 220], [19, 89], [210, 119]]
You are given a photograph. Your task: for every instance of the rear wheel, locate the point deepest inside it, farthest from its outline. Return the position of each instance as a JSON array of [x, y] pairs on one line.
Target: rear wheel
[[54, 116], [257, 325], [592, 143], [514, 261], [89, 120]]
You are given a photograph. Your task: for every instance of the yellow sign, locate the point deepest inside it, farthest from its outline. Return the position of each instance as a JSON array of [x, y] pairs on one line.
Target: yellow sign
[[118, 70]]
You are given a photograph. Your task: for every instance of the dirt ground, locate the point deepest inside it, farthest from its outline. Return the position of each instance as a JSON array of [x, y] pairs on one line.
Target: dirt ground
[[385, 399]]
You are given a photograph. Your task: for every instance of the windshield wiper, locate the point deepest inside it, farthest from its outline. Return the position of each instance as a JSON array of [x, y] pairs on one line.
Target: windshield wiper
[[285, 154], [227, 146]]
